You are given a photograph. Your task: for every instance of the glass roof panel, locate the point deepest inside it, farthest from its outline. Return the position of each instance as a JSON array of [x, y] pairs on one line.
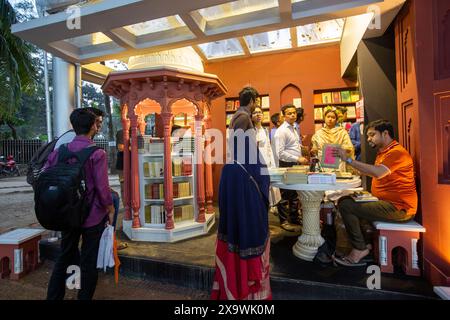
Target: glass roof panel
[[235, 8], [223, 48], [156, 25], [324, 31], [89, 40], [272, 40]]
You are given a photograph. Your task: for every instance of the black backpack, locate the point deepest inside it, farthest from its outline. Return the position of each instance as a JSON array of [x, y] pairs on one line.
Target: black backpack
[[39, 159], [60, 191]]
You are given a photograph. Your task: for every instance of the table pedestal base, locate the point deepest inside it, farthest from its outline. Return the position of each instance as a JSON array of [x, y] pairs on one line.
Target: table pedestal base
[[310, 240]]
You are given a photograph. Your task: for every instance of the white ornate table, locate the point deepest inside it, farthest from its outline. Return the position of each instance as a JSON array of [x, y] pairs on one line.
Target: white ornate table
[[311, 195]]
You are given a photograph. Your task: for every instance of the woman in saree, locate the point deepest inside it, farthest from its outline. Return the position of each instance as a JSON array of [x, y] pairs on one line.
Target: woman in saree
[[243, 242], [331, 134]]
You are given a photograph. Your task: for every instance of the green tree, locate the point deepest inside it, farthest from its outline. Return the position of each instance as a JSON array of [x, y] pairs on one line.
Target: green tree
[[17, 72]]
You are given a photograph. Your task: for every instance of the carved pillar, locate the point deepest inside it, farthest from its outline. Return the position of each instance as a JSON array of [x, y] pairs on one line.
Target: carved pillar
[[135, 194], [200, 169], [141, 123], [168, 182], [208, 166], [126, 163]]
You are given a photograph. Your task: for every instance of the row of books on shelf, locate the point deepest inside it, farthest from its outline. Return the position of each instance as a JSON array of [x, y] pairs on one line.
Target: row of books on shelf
[[344, 96], [155, 191], [157, 215], [233, 103], [179, 145], [266, 117], [319, 112], [154, 168]]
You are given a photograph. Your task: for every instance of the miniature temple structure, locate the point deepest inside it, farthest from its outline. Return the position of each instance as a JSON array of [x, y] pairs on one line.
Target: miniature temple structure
[[168, 185]]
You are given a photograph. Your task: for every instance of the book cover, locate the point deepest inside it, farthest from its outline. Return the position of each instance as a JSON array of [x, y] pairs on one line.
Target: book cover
[[354, 95], [297, 102], [345, 96], [229, 105], [265, 102], [336, 97], [318, 113], [351, 112], [328, 159], [326, 97], [229, 117]]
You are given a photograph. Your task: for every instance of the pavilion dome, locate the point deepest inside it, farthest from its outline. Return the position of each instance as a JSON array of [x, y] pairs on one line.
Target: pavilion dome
[[182, 58]]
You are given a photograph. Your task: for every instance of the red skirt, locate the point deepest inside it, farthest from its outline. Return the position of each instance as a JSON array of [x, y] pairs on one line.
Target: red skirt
[[241, 279]]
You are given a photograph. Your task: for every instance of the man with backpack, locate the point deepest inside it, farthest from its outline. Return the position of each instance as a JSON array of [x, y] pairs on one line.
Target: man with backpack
[[98, 196]]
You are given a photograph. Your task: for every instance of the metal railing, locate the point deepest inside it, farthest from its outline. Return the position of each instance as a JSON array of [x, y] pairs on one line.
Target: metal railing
[[23, 150]]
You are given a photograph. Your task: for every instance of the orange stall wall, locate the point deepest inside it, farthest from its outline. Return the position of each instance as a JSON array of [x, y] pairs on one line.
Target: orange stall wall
[[309, 70]]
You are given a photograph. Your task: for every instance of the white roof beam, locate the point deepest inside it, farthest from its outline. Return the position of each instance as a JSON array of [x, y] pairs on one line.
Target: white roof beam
[[244, 46], [122, 37], [294, 39], [195, 22], [285, 8]]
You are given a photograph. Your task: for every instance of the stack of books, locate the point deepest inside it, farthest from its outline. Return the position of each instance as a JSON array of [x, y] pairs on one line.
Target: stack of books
[[322, 178], [181, 189], [182, 166], [276, 174], [363, 196], [155, 214], [184, 212], [296, 175], [154, 168], [154, 191]]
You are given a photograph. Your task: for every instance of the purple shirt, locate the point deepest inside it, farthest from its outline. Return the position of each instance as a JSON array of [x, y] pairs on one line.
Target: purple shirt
[[98, 191]]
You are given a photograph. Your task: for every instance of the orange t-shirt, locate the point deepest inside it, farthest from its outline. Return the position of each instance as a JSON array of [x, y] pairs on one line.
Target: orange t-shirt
[[398, 187]]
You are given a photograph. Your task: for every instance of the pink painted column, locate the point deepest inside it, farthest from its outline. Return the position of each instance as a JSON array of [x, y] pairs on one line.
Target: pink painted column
[[168, 182], [135, 194], [208, 166], [200, 169], [126, 164]]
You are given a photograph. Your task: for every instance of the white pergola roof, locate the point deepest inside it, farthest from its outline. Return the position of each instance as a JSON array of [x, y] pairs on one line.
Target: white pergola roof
[[216, 29]]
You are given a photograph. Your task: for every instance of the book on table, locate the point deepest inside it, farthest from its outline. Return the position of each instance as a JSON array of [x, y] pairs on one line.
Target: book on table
[[363, 196]]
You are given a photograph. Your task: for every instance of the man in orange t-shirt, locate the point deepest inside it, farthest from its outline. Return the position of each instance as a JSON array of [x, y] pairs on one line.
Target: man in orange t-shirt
[[393, 184]]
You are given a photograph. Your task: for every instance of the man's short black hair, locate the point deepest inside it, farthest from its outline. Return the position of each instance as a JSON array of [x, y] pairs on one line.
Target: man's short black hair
[[82, 120], [97, 112], [275, 118], [300, 115], [381, 126], [246, 95], [287, 106]]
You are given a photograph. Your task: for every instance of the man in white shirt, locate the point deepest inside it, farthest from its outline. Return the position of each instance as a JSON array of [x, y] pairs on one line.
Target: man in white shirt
[[288, 152]]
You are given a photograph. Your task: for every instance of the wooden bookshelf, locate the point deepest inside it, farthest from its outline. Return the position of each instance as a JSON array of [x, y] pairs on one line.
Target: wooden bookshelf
[[336, 97], [232, 104]]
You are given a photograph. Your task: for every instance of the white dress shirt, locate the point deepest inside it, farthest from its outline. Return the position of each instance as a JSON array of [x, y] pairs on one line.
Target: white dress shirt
[[287, 143]]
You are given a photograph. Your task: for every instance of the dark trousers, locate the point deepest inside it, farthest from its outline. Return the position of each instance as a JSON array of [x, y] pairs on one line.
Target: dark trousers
[[70, 255], [290, 204], [353, 212]]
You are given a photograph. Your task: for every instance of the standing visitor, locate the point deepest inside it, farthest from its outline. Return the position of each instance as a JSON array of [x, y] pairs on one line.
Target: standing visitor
[[243, 242]]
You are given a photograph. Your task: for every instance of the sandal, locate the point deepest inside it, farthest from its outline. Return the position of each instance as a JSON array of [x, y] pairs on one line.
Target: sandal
[[347, 262], [122, 245]]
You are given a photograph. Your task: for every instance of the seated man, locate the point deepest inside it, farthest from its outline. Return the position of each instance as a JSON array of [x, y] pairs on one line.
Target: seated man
[[393, 184]]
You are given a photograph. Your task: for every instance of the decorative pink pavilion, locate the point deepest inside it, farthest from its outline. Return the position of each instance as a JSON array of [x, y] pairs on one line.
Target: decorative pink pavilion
[[165, 91]]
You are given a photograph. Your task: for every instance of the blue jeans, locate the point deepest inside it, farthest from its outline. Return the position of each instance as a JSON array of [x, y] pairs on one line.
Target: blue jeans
[[116, 202]]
